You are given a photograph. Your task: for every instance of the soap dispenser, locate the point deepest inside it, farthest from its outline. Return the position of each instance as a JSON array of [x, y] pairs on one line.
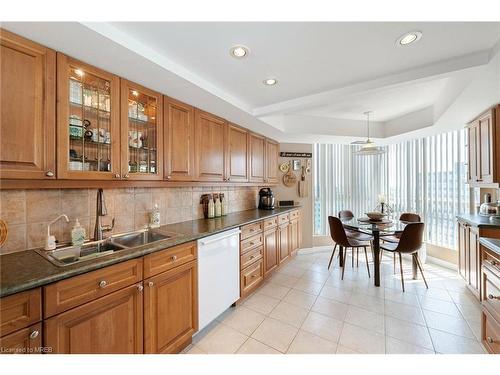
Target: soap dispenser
[[77, 234]]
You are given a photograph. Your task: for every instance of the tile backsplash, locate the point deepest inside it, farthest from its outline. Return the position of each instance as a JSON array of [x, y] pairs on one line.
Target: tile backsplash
[[27, 212]]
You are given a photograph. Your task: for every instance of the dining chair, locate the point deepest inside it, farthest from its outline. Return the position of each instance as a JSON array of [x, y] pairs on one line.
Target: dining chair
[[339, 236], [348, 215], [409, 243], [408, 217]]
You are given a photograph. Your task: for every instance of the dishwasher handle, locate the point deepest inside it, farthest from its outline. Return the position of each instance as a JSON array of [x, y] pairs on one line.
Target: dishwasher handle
[[208, 242]]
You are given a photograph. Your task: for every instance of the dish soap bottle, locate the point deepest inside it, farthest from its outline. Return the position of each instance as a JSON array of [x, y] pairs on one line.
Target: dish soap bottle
[[223, 204], [77, 234], [218, 206], [211, 207], [154, 217]]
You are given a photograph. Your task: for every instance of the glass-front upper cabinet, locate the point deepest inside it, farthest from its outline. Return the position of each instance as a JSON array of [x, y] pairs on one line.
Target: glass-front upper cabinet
[[88, 121], [141, 132]]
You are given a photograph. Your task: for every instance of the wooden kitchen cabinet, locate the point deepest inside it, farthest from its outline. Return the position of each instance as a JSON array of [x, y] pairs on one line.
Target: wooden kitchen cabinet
[[236, 154], [284, 241], [271, 250], [210, 146], [469, 261], [271, 161], [294, 235], [484, 148], [179, 141], [88, 121], [141, 132], [24, 341], [171, 309], [257, 161], [20, 310], [112, 324], [27, 104], [490, 297]]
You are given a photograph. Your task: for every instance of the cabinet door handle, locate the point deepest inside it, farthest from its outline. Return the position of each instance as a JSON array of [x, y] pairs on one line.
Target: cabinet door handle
[[117, 175], [150, 284], [490, 339], [140, 288], [168, 177], [173, 258], [251, 244], [126, 175], [491, 296], [34, 334], [102, 284], [253, 276], [253, 256], [49, 174]]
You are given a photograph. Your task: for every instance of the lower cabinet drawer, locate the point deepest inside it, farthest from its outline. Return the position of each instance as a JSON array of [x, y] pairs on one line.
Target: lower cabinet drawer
[[20, 310], [251, 243], [251, 277], [66, 294], [283, 219], [250, 229], [251, 256], [490, 332], [270, 223], [167, 259], [25, 341], [294, 215]]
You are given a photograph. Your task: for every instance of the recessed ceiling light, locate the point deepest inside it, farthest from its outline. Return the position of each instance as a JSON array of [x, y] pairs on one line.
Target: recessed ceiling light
[[270, 81], [408, 38], [239, 51]]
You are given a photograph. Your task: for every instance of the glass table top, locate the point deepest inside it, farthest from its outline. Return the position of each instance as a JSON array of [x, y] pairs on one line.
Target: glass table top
[[388, 226]]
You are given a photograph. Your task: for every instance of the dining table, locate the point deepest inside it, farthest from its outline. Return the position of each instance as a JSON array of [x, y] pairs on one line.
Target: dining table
[[377, 230]]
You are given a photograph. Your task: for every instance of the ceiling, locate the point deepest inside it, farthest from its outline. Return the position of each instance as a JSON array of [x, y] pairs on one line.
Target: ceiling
[[328, 73]]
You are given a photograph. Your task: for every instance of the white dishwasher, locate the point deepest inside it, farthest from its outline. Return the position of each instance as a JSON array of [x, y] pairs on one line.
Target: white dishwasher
[[218, 274]]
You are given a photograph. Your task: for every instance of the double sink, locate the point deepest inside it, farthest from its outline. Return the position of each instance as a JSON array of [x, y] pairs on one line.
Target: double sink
[[68, 255]]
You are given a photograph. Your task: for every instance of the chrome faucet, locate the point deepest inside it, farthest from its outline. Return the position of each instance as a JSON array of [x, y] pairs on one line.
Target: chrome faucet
[[100, 212]]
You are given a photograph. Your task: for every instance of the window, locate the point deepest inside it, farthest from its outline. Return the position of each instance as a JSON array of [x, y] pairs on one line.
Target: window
[[425, 175]]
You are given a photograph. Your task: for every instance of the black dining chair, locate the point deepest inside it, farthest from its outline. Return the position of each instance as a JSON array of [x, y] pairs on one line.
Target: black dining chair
[[339, 236], [409, 243], [407, 217]]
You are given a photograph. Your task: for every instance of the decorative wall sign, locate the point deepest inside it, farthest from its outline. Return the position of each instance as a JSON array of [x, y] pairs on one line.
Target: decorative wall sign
[[284, 167], [296, 165], [296, 154]]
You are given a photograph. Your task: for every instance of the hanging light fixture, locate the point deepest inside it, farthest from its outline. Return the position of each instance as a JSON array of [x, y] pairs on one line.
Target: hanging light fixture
[[367, 147]]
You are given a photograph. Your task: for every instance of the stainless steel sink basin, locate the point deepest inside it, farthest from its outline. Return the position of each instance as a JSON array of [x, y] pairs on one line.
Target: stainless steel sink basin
[[139, 238], [67, 255]]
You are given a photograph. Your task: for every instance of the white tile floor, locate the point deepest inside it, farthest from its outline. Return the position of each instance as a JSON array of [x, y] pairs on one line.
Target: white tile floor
[[304, 308]]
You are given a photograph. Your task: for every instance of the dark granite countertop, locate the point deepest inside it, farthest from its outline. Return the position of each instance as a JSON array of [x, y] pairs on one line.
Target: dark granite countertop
[[492, 244], [27, 269], [478, 220]]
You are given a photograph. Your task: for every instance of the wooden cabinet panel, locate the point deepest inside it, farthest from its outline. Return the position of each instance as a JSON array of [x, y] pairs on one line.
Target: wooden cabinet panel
[[210, 132], [270, 223], [271, 251], [170, 309], [485, 149], [88, 121], [463, 240], [284, 241], [24, 341], [271, 158], [20, 310], [112, 324], [251, 277], [283, 219], [66, 294], [179, 141], [27, 105], [472, 150], [167, 259], [237, 154], [251, 256], [141, 132], [294, 235], [257, 158], [474, 259]]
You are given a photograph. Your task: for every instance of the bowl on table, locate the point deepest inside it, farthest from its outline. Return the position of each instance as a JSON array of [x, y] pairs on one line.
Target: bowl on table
[[375, 215]]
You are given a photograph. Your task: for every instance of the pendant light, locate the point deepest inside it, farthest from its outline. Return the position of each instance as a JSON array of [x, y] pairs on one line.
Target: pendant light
[[367, 147]]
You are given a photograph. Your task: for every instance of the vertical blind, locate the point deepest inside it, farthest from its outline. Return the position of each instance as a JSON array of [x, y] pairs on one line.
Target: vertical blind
[[426, 176]]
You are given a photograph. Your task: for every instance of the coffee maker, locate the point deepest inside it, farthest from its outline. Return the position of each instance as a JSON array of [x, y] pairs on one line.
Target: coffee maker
[[266, 199]]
